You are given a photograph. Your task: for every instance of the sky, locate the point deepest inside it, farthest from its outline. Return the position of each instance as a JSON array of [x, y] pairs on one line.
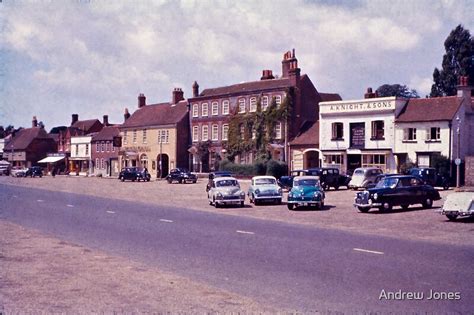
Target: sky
[[93, 58]]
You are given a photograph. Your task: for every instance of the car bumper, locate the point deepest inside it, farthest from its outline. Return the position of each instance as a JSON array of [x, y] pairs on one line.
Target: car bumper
[[305, 203], [230, 201], [276, 197], [456, 212]]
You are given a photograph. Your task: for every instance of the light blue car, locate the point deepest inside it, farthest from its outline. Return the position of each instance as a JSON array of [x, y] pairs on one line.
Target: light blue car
[[264, 188]]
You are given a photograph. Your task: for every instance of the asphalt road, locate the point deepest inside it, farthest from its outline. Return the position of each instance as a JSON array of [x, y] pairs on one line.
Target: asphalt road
[[289, 266]]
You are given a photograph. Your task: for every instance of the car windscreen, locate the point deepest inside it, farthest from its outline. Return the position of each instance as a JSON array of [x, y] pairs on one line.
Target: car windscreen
[[226, 183], [265, 181], [306, 182], [387, 182], [358, 172]]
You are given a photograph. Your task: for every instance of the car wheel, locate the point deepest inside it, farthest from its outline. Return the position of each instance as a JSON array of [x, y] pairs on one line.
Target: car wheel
[[180, 181], [446, 187], [133, 179], [148, 179], [405, 207], [256, 202], [451, 217], [290, 206], [363, 209], [122, 179], [428, 203], [194, 182], [386, 207], [242, 203], [322, 205], [215, 203], [336, 187]]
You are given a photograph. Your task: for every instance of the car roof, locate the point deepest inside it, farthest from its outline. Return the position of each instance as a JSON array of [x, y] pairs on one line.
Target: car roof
[[305, 177], [263, 176], [224, 178]]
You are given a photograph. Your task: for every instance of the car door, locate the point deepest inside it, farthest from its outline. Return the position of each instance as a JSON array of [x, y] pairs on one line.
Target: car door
[[404, 193]]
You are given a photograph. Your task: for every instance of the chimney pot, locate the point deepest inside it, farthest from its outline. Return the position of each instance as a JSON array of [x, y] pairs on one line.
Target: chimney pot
[[75, 118], [126, 115], [141, 100], [195, 89], [177, 95], [34, 122], [370, 93], [106, 120]]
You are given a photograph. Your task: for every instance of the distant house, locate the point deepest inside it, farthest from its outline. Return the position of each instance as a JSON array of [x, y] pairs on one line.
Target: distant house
[[28, 146], [104, 154]]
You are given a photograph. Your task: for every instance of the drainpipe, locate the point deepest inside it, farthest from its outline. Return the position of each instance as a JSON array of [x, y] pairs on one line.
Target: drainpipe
[[450, 152]]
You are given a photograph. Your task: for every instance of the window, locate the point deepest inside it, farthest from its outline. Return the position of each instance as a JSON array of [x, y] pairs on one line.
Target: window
[[337, 131], [373, 160], [134, 139], [102, 164], [215, 108], [97, 146], [144, 161], [278, 100], [195, 133], [87, 149], [433, 134], [253, 104], [205, 133], [409, 134], [215, 132], [144, 136], [225, 131], [334, 159], [102, 146], [77, 149], [225, 107], [163, 136], [278, 131], [377, 130], [195, 110], [124, 137], [204, 110], [264, 102], [242, 105], [97, 165]]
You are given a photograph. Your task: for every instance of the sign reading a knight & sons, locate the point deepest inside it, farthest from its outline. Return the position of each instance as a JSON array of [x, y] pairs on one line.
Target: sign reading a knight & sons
[[357, 136]]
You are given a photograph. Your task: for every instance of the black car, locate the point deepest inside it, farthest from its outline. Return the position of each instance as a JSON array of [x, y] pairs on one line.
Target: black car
[[134, 174], [430, 176], [34, 171], [181, 175], [329, 177], [216, 174], [400, 190]]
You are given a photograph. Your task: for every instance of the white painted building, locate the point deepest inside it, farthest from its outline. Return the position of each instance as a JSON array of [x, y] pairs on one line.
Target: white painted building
[[359, 133], [81, 155]]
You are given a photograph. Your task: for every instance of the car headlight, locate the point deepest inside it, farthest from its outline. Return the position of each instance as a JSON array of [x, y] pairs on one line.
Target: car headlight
[[242, 194], [376, 196], [219, 194], [290, 195], [257, 191]]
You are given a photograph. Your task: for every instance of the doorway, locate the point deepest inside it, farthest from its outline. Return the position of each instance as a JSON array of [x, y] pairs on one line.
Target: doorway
[[353, 161], [163, 161]]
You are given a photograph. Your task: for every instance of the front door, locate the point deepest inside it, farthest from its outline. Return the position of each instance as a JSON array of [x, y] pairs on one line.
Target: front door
[[353, 161]]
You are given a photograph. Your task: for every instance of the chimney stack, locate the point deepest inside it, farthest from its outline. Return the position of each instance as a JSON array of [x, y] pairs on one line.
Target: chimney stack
[[141, 100], [465, 92], [267, 75], [75, 118], [126, 115], [195, 89], [289, 65], [177, 96], [34, 122], [370, 94], [106, 120]]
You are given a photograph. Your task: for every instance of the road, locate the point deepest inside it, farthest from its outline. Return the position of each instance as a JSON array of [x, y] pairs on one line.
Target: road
[[288, 266]]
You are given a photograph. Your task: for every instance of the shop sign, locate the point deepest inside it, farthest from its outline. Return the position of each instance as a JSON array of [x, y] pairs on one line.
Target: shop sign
[[358, 107], [357, 136]]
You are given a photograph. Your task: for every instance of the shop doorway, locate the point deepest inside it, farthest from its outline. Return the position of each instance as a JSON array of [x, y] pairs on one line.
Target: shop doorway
[[353, 161], [163, 160], [311, 159]]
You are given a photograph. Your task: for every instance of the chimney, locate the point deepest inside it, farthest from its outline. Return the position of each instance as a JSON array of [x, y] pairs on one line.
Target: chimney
[[75, 118], [126, 115], [370, 94], [289, 65], [177, 96], [106, 120], [267, 75], [195, 89], [465, 91], [34, 122], [141, 100]]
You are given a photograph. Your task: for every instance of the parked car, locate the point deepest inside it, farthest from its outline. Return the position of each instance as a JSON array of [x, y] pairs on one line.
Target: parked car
[[363, 176], [134, 174], [216, 174], [34, 171], [286, 182], [5, 168], [329, 177], [306, 191], [400, 190], [18, 171], [430, 176], [181, 175], [225, 191], [458, 204], [264, 188]]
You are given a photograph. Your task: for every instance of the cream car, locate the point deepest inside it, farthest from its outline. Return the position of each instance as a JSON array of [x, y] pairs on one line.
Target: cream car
[[225, 191]]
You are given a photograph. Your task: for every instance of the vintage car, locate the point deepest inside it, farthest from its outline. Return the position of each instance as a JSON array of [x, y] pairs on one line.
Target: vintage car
[[4, 168], [458, 204], [216, 174], [34, 171], [364, 176], [181, 175], [430, 176], [18, 171], [306, 191], [134, 174], [401, 190], [264, 188], [225, 191], [329, 177]]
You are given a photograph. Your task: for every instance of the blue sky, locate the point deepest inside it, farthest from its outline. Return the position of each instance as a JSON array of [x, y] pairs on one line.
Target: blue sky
[[94, 57]]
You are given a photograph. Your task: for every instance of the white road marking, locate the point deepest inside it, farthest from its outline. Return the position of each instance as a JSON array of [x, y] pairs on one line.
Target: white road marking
[[70, 206], [245, 232], [112, 212], [368, 251], [15, 196], [40, 200], [167, 221]]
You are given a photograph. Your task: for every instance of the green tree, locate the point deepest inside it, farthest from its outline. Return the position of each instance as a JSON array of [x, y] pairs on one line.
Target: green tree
[[458, 61], [396, 90]]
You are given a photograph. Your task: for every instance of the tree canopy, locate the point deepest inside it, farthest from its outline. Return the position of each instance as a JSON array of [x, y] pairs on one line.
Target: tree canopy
[[396, 90], [458, 61]]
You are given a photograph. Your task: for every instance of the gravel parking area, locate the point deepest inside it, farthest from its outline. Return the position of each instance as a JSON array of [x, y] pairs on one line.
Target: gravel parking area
[[414, 224]]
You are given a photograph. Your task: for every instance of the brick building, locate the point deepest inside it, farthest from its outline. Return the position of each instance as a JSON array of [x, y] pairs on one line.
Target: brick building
[[104, 155]]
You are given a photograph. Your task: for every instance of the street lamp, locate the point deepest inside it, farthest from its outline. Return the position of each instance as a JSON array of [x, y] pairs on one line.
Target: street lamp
[[458, 159]]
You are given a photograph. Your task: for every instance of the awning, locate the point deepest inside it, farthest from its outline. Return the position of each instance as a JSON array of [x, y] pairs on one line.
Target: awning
[[51, 159]]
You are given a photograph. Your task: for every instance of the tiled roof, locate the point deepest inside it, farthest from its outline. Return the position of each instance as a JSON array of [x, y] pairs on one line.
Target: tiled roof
[[157, 114], [430, 109], [107, 133], [330, 97], [24, 137], [308, 135], [247, 87], [85, 125]]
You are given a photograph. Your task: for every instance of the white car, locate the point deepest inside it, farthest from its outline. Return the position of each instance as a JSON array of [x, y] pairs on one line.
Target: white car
[[18, 171], [264, 188], [225, 191]]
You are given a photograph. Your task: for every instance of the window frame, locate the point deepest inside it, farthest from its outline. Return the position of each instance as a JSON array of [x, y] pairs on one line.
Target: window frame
[[195, 133], [242, 104], [253, 104], [205, 110], [377, 133], [195, 110], [334, 131], [214, 108], [205, 133], [225, 132], [225, 107]]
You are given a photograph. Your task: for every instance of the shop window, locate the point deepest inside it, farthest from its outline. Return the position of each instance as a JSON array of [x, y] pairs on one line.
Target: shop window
[[337, 131], [433, 134], [374, 160], [409, 134], [378, 130], [334, 159]]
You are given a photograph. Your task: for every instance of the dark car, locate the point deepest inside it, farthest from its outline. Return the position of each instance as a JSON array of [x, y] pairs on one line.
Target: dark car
[[134, 174], [430, 176], [181, 175], [329, 177], [217, 174], [401, 190], [34, 171]]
